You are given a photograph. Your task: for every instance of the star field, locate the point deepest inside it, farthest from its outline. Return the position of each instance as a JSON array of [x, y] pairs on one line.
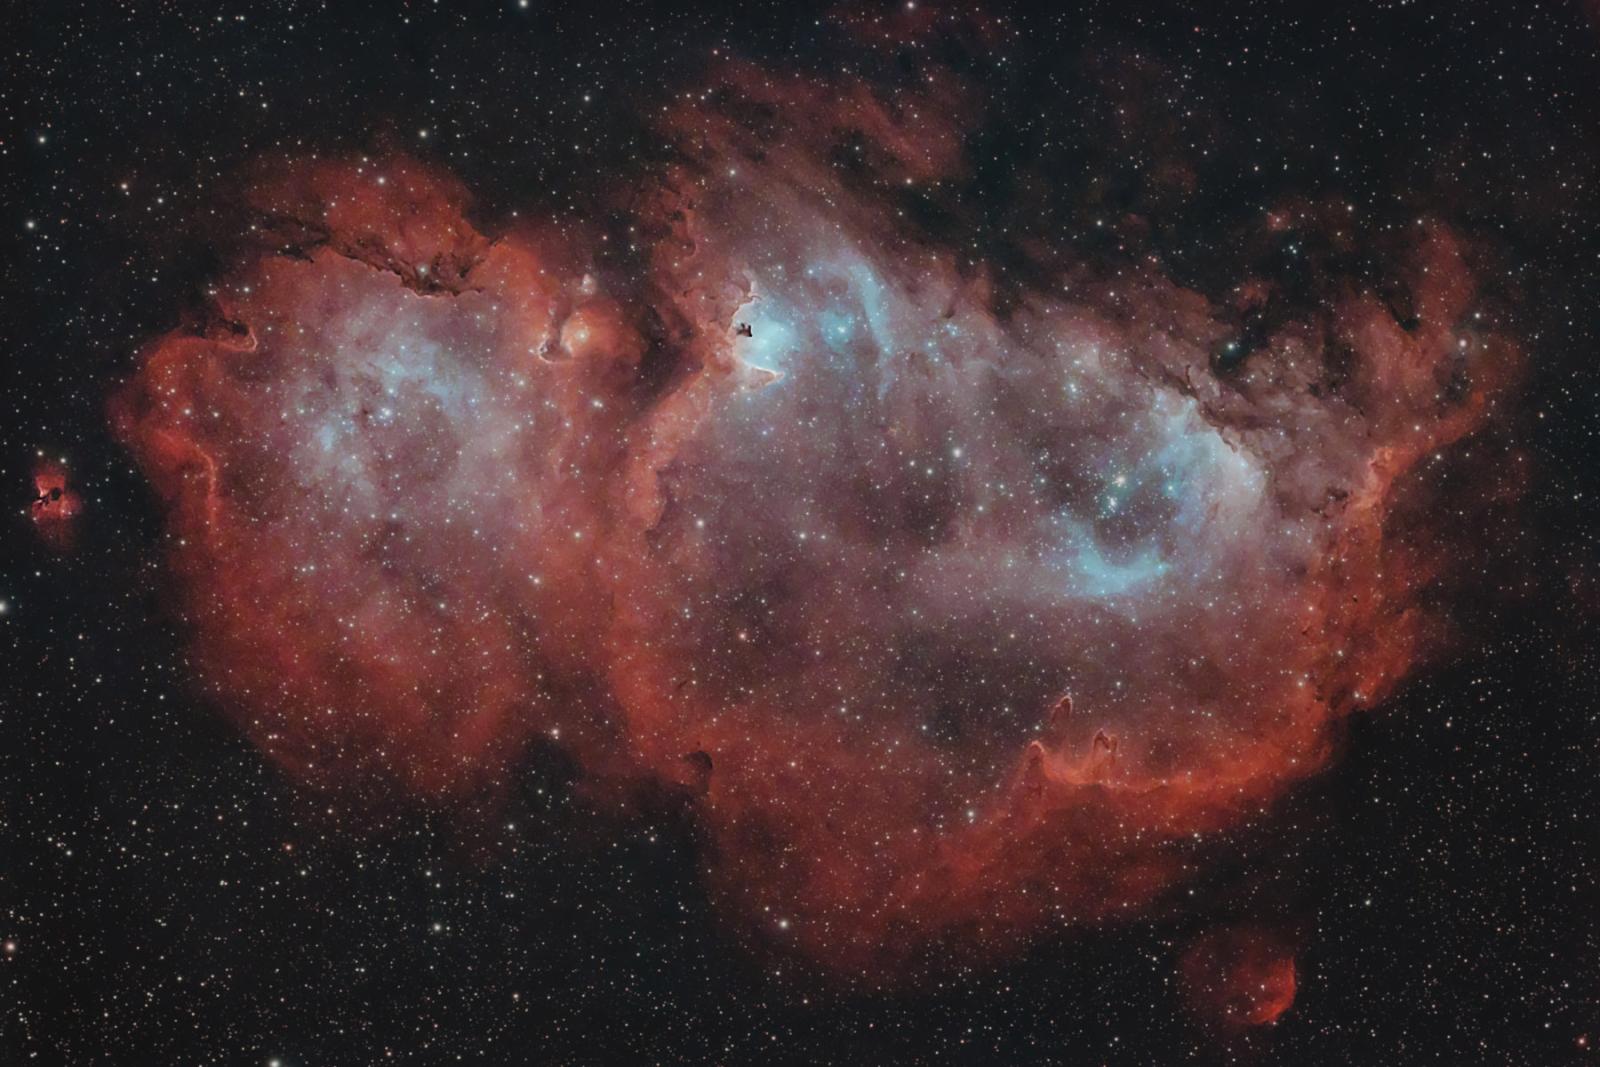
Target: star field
[[882, 533]]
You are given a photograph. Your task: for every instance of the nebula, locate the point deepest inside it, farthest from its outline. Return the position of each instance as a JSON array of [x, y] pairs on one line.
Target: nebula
[[961, 607], [55, 507], [1237, 977]]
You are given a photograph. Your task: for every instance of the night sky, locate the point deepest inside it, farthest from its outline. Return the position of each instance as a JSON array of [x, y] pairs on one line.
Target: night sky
[[800, 533]]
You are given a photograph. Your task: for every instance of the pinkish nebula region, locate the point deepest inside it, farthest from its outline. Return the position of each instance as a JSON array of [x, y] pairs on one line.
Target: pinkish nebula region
[[958, 615]]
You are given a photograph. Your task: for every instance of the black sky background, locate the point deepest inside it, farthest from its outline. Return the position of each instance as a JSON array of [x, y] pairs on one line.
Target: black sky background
[[1442, 873]]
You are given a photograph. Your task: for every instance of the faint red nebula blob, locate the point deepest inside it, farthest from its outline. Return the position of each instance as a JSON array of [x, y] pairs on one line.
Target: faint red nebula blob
[[1236, 977], [434, 494], [55, 507]]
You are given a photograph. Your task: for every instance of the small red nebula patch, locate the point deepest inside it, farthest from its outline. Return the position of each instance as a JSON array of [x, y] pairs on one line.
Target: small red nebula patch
[[1239, 977], [55, 506]]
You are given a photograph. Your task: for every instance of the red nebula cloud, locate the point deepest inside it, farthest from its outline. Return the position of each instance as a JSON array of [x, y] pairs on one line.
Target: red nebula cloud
[[433, 493], [1238, 977], [55, 507]]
